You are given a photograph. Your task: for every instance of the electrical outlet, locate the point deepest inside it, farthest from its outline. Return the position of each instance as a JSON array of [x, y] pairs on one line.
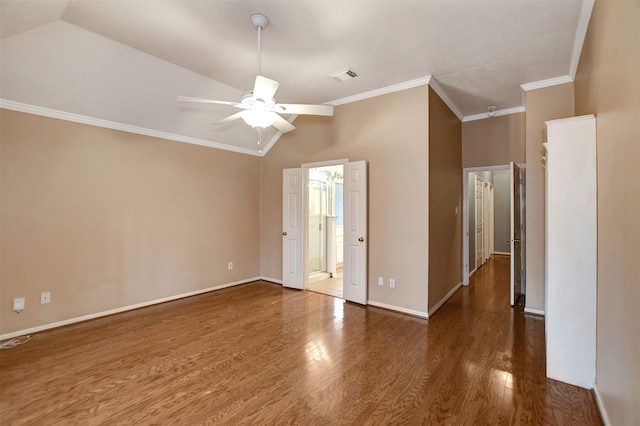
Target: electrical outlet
[[45, 297], [392, 283], [18, 304], [380, 281], [230, 266]]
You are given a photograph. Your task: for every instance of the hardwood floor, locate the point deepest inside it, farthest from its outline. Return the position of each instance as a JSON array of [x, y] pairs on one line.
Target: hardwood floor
[[329, 286], [262, 354]]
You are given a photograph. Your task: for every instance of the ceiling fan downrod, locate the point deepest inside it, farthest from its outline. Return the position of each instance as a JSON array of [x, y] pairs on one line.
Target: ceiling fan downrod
[[259, 22]]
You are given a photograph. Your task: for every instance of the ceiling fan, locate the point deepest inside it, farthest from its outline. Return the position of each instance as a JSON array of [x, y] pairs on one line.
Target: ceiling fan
[[259, 108]]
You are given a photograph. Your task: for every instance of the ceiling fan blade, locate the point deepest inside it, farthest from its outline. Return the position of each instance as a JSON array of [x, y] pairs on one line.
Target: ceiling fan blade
[[231, 117], [306, 109], [210, 101], [264, 88], [283, 125]]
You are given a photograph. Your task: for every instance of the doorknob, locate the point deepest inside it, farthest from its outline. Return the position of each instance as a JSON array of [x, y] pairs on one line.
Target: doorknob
[[361, 239], [284, 233]]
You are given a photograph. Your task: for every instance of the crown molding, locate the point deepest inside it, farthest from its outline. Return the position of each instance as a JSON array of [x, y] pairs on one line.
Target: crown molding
[[555, 81], [498, 113], [422, 81], [382, 91], [581, 34], [435, 85], [83, 119]]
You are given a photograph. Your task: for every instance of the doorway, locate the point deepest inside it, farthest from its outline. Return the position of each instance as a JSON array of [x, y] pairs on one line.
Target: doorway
[[493, 224], [325, 231], [295, 224]]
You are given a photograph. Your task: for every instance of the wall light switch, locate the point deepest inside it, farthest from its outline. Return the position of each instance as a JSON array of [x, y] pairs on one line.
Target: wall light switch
[[45, 297], [380, 281], [392, 283], [230, 266]]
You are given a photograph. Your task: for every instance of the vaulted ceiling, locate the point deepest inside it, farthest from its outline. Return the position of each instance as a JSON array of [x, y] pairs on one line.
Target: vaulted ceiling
[[122, 63]]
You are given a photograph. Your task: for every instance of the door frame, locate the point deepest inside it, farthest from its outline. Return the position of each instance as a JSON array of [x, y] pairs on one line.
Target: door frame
[[465, 214], [305, 211]]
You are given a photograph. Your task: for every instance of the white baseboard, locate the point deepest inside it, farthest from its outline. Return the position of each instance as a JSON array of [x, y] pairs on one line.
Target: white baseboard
[[534, 311], [122, 309], [271, 280], [444, 299], [502, 253], [603, 412], [399, 309]]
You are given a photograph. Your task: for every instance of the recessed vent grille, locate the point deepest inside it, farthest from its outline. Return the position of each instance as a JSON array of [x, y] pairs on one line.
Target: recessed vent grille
[[344, 75]]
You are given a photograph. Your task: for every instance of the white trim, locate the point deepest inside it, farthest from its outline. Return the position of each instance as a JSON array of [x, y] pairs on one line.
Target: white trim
[[338, 162], [382, 91], [123, 309], [444, 299], [399, 309], [472, 273], [98, 122], [502, 253], [485, 168], [567, 120], [600, 404], [447, 100], [555, 81], [484, 115], [534, 311], [581, 33], [271, 280]]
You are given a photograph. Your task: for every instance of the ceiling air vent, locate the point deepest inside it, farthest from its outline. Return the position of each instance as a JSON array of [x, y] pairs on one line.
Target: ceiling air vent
[[344, 75]]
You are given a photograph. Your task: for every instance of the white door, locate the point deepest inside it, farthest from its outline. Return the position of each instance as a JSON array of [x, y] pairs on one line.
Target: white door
[[479, 222], [516, 234], [492, 222], [487, 219], [292, 185], [355, 232]]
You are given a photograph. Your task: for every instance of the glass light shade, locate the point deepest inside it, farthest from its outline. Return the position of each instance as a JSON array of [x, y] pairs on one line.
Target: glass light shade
[[257, 118]]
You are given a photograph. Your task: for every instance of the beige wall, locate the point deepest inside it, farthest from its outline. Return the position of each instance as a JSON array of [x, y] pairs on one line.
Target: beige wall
[[106, 219], [445, 199], [391, 133], [608, 85], [494, 141], [542, 105]]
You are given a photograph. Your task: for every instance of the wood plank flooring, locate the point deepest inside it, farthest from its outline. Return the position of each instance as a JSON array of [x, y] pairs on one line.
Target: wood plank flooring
[[330, 286], [262, 354]]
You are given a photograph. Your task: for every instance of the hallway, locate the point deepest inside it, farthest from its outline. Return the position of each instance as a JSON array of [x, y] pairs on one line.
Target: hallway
[[259, 353]]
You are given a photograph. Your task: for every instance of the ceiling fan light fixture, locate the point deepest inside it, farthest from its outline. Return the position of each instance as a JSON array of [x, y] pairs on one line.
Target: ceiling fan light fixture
[[258, 119], [259, 108]]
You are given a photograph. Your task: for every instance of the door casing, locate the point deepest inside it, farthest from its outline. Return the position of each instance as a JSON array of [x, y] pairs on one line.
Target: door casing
[[305, 217]]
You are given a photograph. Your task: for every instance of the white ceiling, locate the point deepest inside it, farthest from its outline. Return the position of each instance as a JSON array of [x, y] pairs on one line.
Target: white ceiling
[[123, 62]]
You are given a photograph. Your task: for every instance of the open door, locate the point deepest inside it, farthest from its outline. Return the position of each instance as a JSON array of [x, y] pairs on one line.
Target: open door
[[292, 184], [516, 234], [355, 232], [479, 222]]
